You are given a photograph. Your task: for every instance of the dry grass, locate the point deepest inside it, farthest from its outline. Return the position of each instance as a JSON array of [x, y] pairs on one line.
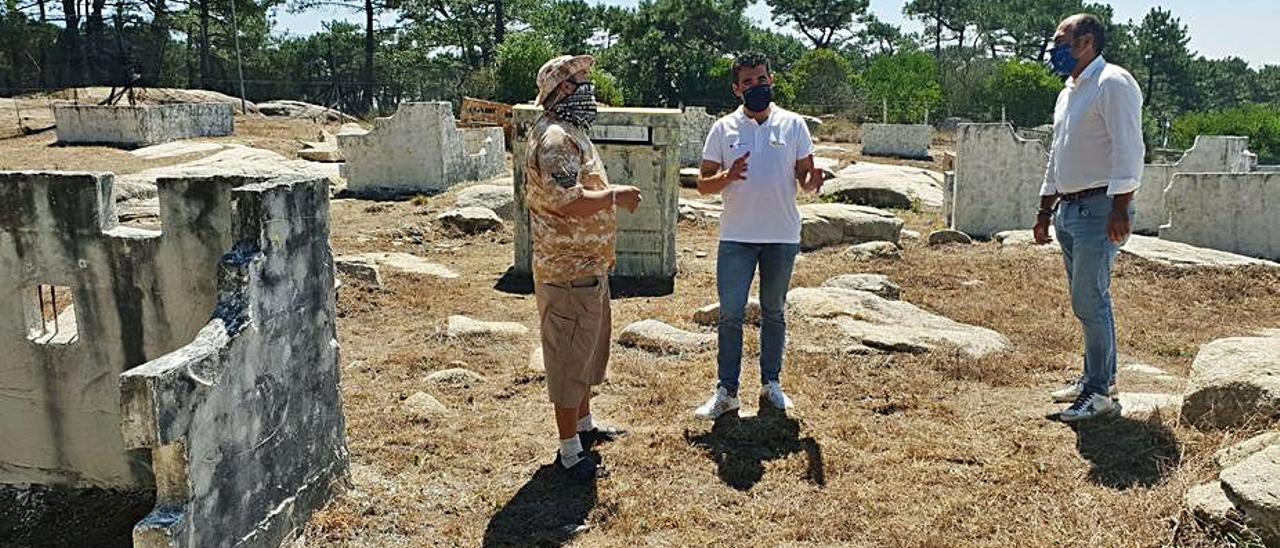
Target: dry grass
[[900, 450]]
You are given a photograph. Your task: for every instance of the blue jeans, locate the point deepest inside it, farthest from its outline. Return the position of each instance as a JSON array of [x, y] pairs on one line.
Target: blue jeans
[[735, 268], [1089, 255]]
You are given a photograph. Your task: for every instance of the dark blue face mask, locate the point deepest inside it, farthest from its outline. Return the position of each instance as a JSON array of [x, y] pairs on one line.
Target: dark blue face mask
[[758, 98], [1061, 60]]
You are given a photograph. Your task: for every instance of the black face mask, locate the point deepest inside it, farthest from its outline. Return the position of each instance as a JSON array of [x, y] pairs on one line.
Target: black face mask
[[579, 108], [758, 98]]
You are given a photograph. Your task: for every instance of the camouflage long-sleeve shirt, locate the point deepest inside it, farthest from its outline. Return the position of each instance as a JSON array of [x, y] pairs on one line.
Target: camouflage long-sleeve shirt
[[562, 163]]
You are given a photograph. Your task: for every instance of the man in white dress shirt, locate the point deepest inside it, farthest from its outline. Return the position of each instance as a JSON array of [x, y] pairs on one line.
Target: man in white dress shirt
[[1095, 165]]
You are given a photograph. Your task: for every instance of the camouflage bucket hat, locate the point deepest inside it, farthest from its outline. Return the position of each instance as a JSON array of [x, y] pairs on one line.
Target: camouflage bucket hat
[[557, 70]]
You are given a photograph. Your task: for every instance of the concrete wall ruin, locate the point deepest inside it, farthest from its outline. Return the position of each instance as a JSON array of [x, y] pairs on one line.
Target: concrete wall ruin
[[138, 295], [695, 124], [420, 150], [245, 423], [998, 176], [1209, 154], [141, 125], [640, 147], [1234, 212], [901, 140], [997, 179]]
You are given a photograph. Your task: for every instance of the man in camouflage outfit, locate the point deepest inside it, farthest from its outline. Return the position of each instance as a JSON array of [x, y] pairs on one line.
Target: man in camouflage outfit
[[572, 215]]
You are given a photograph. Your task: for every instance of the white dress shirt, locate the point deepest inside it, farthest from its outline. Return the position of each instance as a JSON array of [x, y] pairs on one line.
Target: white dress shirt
[[760, 209], [1097, 133]]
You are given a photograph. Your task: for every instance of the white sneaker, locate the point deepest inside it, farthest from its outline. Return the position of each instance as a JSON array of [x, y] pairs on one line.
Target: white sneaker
[[1070, 393], [719, 404], [772, 392], [1090, 407]]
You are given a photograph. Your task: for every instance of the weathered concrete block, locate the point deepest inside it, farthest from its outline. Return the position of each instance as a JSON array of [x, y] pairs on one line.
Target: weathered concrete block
[[141, 125], [138, 295], [948, 195], [901, 140], [646, 241], [997, 180], [1209, 154], [695, 124], [1234, 212], [420, 150], [998, 174], [244, 424]]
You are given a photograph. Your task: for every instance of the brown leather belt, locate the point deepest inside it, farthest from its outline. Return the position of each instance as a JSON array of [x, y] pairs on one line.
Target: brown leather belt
[[1073, 196]]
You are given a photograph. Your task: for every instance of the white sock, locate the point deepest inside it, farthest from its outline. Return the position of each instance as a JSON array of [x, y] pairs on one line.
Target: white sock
[[569, 450], [586, 424]]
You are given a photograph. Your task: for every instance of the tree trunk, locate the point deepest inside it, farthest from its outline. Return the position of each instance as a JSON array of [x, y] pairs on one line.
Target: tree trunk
[[191, 57], [937, 36], [204, 45], [367, 71], [96, 44], [499, 22], [1150, 99], [70, 44], [159, 42]]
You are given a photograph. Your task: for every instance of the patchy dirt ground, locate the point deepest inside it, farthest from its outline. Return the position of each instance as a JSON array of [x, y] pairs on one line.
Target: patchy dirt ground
[[897, 450], [888, 450], [39, 151]]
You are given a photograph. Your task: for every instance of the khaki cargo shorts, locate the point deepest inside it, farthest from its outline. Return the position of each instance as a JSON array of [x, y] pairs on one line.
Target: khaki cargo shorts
[[575, 323]]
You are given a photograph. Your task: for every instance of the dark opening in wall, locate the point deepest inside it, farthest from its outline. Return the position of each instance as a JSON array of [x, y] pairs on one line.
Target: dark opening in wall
[[51, 315]]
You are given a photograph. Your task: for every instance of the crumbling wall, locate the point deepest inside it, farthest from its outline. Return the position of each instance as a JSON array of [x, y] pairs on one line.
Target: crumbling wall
[[420, 150], [68, 474], [244, 424], [695, 124], [138, 294], [1209, 154], [1234, 212], [639, 147], [900, 140], [997, 180], [141, 125]]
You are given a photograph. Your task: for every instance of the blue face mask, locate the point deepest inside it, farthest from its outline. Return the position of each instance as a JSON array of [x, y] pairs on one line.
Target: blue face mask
[[1061, 60]]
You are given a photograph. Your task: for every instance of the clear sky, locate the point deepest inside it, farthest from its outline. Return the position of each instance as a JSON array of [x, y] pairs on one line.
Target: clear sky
[[1247, 28]]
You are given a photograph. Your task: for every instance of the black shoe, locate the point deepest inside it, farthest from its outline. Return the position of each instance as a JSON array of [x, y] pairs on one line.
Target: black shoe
[[602, 433], [586, 470]]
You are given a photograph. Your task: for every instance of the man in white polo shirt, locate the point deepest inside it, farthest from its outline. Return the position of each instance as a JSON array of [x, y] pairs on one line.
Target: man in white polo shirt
[[1095, 165], [755, 157]]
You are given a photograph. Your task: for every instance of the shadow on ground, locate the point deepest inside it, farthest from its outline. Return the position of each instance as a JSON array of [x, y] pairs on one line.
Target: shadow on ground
[[1128, 453], [41, 516], [741, 446], [549, 510]]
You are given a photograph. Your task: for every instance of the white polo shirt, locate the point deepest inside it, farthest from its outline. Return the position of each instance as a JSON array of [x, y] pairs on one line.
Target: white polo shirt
[[760, 209], [1097, 133]]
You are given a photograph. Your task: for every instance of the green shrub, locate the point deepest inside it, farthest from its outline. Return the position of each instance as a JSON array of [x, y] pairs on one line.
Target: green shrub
[[1260, 123], [908, 81], [823, 81], [1026, 90], [516, 70]]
